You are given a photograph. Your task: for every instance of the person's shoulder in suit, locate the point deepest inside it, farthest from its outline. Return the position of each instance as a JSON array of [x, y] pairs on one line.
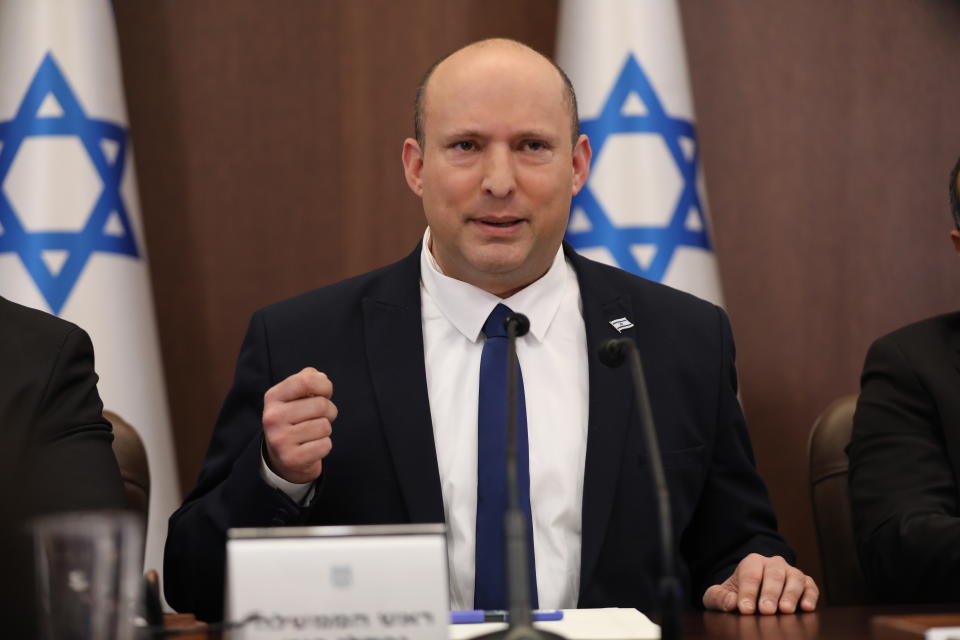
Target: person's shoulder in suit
[[51, 414], [904, 455], [35, 347], [26, 328], [342, 299], [929, 337]]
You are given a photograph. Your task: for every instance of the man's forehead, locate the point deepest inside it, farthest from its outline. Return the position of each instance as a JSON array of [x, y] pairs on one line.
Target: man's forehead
[[453, 130], [506, 61], [518, 74]]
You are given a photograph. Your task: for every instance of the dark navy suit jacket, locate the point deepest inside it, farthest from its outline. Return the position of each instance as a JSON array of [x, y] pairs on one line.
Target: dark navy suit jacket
[[905, 463], [365, 333]]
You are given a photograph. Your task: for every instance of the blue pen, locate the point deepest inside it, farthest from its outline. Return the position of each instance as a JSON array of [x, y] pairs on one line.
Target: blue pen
[[476, 616]]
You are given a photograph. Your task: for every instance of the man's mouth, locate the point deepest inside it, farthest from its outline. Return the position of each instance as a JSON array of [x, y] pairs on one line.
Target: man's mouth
[[502, 223]]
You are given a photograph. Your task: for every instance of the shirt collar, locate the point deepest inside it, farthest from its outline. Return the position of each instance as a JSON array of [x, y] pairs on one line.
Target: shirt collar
[[467, 306]]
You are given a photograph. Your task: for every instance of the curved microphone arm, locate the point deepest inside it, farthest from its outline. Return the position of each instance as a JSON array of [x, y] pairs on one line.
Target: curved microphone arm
[[612, 353]]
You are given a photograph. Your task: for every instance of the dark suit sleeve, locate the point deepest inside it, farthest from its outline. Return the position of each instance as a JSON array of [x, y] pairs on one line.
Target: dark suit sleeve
[[902, 489], [71, 461], [230, 491], [64, 462], [733, 517]]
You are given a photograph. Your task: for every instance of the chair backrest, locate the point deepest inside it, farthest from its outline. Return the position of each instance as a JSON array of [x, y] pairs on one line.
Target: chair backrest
[[132, 458], [842, 579]]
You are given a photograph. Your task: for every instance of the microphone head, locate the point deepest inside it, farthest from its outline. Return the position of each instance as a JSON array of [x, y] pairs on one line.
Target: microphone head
[[520, 322], [612, 352]]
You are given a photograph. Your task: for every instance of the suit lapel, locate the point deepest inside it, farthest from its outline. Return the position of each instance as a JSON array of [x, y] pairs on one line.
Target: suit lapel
[[611, 410], [394, 349]]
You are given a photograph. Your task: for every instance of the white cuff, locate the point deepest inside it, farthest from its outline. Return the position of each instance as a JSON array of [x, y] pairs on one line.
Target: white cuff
[[302, 494]]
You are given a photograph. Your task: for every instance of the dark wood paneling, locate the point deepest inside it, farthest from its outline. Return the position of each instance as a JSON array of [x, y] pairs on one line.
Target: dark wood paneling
[[828, 130], [268, 141]]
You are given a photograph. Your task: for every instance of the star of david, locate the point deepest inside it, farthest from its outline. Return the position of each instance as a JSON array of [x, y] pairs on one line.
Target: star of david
[[96, 234], [678, 232]]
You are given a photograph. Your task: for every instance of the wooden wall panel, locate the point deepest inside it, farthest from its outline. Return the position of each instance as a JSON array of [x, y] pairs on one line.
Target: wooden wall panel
[[828, 130], [267, 139]]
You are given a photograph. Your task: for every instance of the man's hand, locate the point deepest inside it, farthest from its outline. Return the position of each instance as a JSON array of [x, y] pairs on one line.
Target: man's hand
[[771, 582], [297, 424]]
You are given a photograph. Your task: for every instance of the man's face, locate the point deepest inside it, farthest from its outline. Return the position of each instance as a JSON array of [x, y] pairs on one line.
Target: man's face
[[497, 170]]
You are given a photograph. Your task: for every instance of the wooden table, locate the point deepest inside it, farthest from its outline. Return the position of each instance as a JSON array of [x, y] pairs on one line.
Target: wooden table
[[827, 623]]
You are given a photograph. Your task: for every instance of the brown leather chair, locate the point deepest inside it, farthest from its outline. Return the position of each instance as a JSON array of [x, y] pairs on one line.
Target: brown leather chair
[[842, 579], [132, 458], [135, 470]]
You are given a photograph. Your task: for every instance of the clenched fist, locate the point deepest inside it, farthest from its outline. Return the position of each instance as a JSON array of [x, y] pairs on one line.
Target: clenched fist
[[297, 424]]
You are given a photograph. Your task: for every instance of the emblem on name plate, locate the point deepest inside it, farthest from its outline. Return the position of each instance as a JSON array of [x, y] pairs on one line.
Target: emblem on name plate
[[341, 576]]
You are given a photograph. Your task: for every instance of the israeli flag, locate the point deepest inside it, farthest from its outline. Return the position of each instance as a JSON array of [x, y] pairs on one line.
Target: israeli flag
[[643, 208], [71, 237]]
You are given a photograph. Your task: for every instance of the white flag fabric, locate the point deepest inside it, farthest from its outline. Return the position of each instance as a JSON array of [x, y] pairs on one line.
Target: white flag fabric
[[643, 208], [71, 238]]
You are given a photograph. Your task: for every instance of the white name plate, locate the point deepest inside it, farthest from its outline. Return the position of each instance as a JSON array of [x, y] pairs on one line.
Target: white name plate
[[338, 583]]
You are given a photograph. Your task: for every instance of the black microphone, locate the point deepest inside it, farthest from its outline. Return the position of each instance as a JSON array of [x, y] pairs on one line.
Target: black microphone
[[612, 353], [520, 324], [520, 618]]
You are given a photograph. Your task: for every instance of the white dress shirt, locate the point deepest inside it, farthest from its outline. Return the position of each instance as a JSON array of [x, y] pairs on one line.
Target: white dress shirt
[[553, 361]]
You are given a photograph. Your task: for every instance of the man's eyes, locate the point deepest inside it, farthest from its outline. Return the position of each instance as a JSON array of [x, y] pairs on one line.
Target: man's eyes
[[535, 145]]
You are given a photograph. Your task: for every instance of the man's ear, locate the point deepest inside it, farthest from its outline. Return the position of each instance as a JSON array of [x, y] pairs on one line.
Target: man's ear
[[412, 157], [955, 236], [581, 162]]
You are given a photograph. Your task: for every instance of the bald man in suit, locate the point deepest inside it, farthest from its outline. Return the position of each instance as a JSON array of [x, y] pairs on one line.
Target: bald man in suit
[[496, 158]]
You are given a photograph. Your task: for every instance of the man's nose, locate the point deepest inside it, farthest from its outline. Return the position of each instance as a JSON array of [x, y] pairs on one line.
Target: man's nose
[[499, 179]]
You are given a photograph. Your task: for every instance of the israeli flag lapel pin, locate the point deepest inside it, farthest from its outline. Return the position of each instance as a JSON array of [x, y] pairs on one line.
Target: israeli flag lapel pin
[[621, 324]]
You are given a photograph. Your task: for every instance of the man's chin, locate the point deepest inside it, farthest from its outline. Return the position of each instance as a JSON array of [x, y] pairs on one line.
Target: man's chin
[[503, 277], [502, 266]]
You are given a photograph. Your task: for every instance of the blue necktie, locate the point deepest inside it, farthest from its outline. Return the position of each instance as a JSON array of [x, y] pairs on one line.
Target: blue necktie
[[490, 585]]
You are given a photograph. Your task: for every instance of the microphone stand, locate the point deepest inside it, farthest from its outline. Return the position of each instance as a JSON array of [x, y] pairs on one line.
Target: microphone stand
[[612, 353], [520, 618]]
